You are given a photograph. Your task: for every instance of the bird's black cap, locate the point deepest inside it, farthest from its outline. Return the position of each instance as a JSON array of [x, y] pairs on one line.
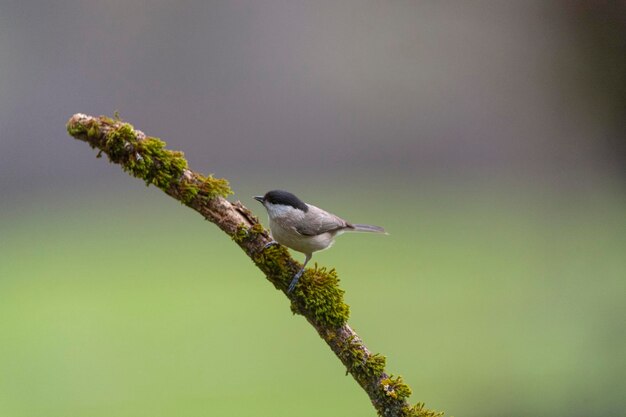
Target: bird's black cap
[[285, 198]]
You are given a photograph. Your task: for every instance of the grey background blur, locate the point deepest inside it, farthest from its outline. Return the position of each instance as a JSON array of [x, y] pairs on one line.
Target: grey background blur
[[431, 105], [520, 89]]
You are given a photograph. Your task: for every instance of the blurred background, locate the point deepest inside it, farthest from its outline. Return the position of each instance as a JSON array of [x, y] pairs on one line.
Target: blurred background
[[488, 137]]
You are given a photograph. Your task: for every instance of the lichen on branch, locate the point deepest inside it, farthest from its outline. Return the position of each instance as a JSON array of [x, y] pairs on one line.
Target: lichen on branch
[[319, 298]]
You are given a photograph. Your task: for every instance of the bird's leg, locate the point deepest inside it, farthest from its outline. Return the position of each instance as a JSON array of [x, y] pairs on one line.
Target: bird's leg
[[296, 277]]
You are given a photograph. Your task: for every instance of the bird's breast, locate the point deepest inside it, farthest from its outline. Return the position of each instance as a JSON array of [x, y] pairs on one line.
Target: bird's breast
[[288, 236]]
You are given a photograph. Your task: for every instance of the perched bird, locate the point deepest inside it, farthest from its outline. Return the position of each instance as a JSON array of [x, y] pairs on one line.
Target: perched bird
[[304, 227]]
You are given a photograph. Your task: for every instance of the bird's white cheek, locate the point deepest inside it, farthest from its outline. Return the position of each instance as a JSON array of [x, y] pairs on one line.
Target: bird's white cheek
[[279, 210]]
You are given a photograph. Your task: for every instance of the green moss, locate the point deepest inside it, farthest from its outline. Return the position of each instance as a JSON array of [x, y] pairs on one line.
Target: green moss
[[419, 410], [319, 295], [259, 229], [395, 388], [374, 365], [76, 129], [146, 157], [188, 190], [394, 391], [199, 186], [211, 187], [93, 131], [241, 234], [244, 233], [273, 261], [352, 350], [119, 142], [364, 367]]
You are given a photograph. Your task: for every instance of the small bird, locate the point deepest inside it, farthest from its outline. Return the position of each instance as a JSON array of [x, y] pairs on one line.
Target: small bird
[[304, 227]]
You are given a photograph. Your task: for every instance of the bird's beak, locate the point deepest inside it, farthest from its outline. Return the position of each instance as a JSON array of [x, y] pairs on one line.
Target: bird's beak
[[259, 198]]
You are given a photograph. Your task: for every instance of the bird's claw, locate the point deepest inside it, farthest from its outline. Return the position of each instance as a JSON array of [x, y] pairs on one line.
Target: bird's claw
[[272, 243]]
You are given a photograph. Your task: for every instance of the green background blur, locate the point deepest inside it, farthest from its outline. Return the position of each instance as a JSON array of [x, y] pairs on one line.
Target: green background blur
[[486, 137]]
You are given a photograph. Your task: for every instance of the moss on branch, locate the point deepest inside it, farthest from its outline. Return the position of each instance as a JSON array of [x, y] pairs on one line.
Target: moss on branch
[[145, 157], [319, 299]]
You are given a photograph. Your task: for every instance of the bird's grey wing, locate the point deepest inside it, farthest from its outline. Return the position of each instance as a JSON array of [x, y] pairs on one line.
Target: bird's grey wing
[[318, 221]]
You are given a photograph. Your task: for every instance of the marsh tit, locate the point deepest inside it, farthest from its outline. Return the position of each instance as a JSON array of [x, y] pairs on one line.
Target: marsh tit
[[304, 227]]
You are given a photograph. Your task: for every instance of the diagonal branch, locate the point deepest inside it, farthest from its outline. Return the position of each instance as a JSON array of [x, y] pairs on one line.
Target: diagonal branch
[[319, 299]]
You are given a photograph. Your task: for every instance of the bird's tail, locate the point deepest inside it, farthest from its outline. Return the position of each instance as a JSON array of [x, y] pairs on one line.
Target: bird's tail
[[368, 228]]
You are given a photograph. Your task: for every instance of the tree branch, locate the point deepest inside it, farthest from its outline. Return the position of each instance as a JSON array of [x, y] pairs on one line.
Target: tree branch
[[319, 299]]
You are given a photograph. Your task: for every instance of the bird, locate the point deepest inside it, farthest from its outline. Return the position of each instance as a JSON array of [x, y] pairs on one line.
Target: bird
[[304, 227]]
